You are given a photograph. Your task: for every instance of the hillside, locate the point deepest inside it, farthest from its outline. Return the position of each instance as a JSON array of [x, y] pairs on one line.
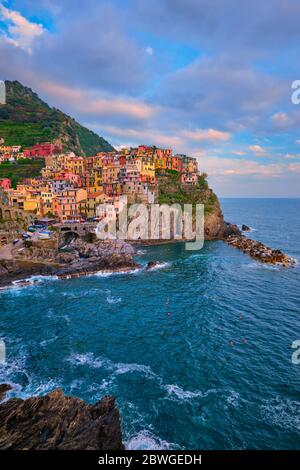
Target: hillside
[[22, 169], [27, 120]]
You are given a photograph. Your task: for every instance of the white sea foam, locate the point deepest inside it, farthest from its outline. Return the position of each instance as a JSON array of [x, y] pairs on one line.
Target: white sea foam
[[116, 273], [181, 394], [233, 398], [44, 278], [118, 368], [111, 299], [160, 266], [124, 368], [258, 265], [283, 413], [87, 359], [45, 342], [145, 440]]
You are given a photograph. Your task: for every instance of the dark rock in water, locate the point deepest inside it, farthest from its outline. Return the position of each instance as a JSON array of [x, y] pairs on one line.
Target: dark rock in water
[[152, 264], [4, 388], [59, 422], [231, 229], [245, 228]]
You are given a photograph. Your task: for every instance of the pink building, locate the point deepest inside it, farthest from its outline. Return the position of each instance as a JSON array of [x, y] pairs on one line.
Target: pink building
[[5, 183], [44, 149]]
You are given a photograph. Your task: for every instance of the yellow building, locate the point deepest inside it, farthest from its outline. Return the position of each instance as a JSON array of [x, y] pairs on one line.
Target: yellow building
[[93, 202], [147, 169], [75, 165], [32, 204]]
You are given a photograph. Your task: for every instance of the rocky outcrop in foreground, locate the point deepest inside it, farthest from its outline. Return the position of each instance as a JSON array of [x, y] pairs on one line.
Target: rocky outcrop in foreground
[[58, 422], [77, 259], [259, 251]]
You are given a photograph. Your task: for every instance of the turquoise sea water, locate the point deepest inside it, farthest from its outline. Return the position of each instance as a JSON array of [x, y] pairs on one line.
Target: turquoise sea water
[[178, 379]]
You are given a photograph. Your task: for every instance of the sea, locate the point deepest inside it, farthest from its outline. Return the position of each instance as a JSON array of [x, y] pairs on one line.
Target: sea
[[197, 351]]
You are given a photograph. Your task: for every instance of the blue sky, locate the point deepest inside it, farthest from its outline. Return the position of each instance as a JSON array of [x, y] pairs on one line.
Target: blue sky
[[211, 78]]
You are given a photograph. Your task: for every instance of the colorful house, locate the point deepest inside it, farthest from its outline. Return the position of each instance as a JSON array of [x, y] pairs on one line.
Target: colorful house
[[5, 183]]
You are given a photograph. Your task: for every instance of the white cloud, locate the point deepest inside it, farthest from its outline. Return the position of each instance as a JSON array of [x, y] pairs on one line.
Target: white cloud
[[149, 51], [281, 118], [206, 135], [83, 101], [258, 150], [222, 167], [20, 31]]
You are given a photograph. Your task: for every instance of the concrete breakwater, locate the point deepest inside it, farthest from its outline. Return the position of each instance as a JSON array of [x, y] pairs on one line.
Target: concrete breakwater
[[259, 251]]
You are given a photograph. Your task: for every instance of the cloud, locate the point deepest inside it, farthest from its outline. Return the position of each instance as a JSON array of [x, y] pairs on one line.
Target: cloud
[[281, 118], [258, 150], [20, 31], [290, 156], [221, 92], [149, 50], [217, 166], [146, 136], [91, 103], [88, 47], [206, 135], [294, 167], [255, 28]]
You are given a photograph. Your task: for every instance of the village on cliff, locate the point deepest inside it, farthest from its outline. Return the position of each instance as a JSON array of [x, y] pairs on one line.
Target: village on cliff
[[74, 188]]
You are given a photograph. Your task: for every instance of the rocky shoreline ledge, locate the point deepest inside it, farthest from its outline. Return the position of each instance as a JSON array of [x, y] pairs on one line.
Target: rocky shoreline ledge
[[79, 259], [18, 264], [259, 251], [58, 422]]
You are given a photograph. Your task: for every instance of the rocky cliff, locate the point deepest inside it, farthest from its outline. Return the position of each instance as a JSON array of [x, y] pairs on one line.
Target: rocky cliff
[[59, 422], [171, 191]]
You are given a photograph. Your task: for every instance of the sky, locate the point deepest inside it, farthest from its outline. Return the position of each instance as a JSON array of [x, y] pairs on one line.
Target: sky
[[209, 78]]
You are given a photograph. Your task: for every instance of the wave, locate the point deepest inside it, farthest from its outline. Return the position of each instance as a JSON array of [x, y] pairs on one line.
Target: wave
[[45, 342], [24, 384], [233, 398], [160, 266], [115, 273], [87, 359], [282, 413], [258, 265], [186, 394], [118, 368], [145, 440], [111, 299]]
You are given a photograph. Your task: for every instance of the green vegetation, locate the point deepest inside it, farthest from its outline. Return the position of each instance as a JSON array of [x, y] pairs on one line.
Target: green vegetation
[[26, 120], [172, 192], [22, 169]]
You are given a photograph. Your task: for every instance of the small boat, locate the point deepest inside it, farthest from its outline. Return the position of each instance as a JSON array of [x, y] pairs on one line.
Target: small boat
[[45, 235]]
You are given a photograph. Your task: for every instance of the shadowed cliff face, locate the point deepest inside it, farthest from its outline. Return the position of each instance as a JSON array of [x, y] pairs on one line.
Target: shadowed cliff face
[[58, 422], [214, 225], [172, 191]]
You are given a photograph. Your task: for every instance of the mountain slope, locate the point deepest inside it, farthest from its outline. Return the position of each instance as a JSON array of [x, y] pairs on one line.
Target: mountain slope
[[26, 120]]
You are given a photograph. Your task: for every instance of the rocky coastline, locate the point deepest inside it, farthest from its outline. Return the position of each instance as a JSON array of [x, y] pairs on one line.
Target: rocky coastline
[[259, 252], [81, 258], [72, 261], [58, 422]]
